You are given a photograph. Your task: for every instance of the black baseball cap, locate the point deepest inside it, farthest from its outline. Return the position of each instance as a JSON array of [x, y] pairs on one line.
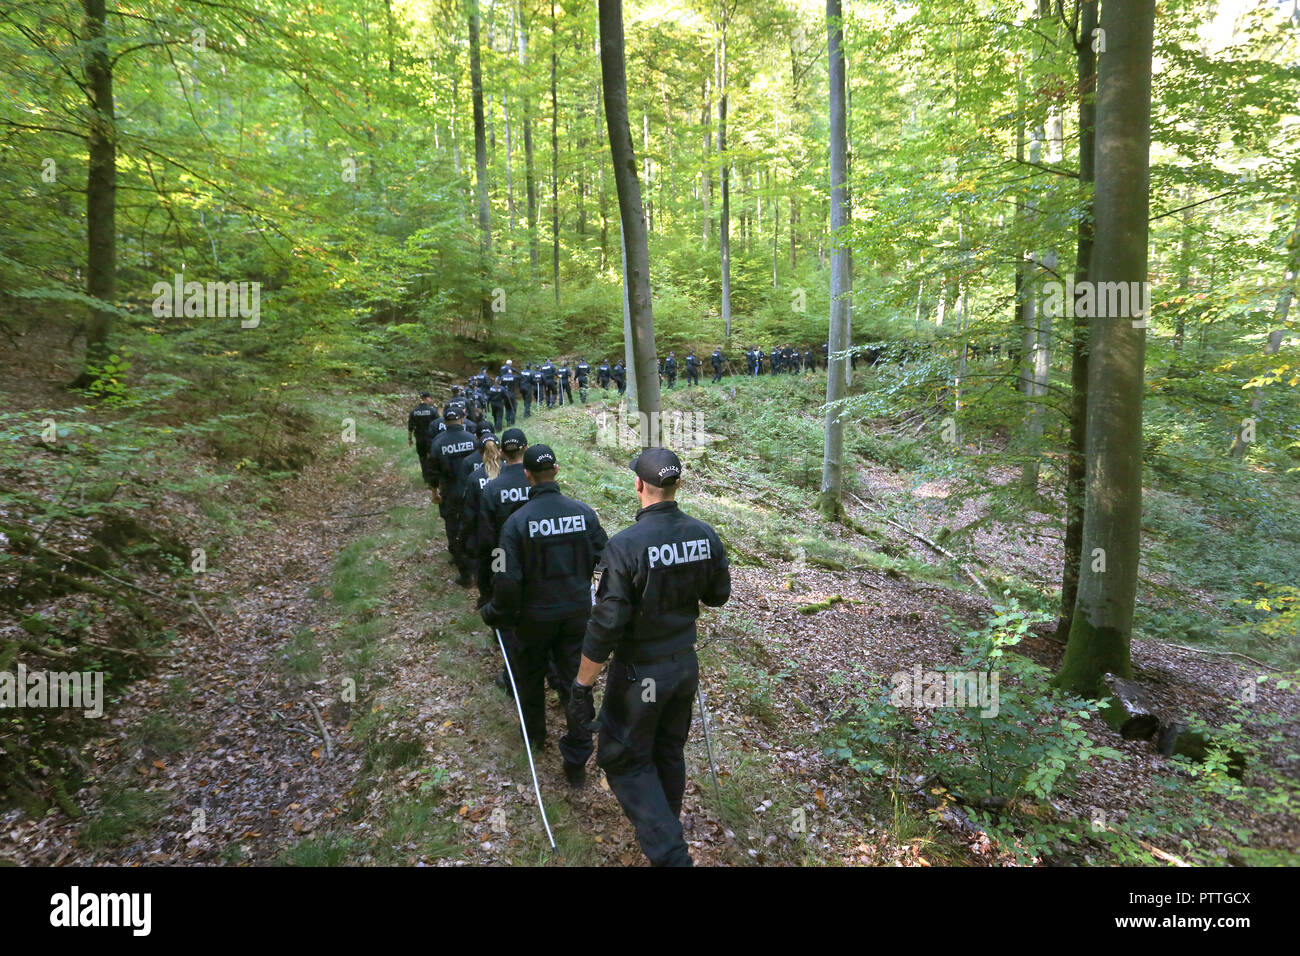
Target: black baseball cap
[[487, 435], [425, 395], [539, 458], [453, 410], [657, 466], [512, 439]]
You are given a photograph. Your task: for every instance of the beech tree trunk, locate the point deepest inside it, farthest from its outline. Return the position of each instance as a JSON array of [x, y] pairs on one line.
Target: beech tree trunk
[[1101, 631], [632, 215], [1086, 60], [831, 502], [101, 188]]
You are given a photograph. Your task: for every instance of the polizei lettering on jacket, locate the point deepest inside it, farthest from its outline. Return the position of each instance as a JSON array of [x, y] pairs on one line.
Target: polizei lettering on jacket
[[565, 524], [457, 449], [514, 494], [679, 552]]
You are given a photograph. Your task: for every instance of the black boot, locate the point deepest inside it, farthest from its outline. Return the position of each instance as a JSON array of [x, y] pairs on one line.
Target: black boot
[[575, 774]]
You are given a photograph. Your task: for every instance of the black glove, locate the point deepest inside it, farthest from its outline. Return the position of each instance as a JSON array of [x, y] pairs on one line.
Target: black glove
[[581, 708], [491, 616]]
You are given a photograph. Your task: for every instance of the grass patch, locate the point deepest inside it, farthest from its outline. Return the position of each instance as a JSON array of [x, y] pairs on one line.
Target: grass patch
[[123, 814]]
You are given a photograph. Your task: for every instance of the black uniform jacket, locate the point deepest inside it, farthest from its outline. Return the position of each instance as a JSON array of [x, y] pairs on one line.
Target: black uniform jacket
[[551, 545], [650, 583]]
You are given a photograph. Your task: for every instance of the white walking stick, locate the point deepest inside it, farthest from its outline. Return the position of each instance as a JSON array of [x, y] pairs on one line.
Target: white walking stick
[[528, 747]]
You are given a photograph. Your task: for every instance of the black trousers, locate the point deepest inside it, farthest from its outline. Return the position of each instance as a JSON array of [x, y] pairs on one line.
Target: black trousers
[[582, 390], [550, 390], [453, 519], [528, 401], [717, 373], [692, 376], [498, 411], [644, 722], [538, 644], [672, 379]]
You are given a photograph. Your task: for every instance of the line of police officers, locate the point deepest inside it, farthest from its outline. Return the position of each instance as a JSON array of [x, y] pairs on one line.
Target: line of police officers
[[566, 598]]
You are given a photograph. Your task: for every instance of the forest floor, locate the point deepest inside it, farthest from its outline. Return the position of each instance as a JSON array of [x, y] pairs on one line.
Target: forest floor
[[334, 703]]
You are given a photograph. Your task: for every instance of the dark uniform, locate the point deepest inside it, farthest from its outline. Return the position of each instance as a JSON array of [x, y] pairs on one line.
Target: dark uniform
[[470, 479], [501, 497], [566, 390], [417, 427], [582, 371], [446, 452], [501, 403], [620, 377], [670, 369], [692, 369], [602, 374], [649, 585], [809, 363], [510, 380], [528, 388], [550, 546], [547, 372], [716, 359]]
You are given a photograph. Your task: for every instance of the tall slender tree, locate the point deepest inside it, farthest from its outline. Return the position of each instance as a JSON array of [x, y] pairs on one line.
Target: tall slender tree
[[632, 214], [1086, 70], [480, 158], [831, 504], [101, 185], [1101, 631]]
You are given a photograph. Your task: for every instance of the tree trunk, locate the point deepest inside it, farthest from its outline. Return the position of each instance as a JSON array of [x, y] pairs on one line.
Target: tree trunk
[[555, 163], [101, 189], [724, 233], [530, 172], [632, 216], [1086, 59], [1101, 631], [706, 179], [831, 503], [480, 160]]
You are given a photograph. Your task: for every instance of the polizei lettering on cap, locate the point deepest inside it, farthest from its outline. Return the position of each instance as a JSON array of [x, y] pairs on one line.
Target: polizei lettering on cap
[[679, 552], [565, 524]]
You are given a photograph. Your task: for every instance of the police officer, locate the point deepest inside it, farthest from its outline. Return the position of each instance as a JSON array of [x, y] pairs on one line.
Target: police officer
[[501, 497], [602, 374], [471, 476], [582, 372], [716, 359], [670, 369], [447, 450], [417, 426], [648, 589], [500, 401], [482, 379], [620, 376], [692, 369], [566, 390], [549, 548], [510, 381], [809, 363], [758, 361], [548, 382], [526, 387]]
